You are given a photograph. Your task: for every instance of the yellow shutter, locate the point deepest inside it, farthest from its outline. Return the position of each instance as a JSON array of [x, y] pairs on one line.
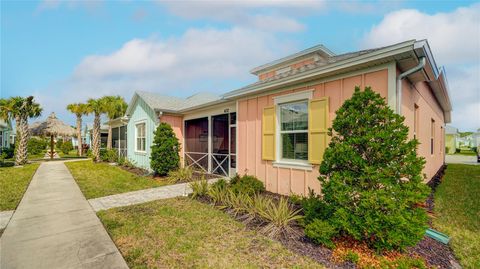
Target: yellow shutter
[[268, 133], [317, 129]]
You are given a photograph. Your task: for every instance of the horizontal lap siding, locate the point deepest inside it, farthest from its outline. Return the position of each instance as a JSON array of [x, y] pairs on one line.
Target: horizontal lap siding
[[142, 112], [288, 180]]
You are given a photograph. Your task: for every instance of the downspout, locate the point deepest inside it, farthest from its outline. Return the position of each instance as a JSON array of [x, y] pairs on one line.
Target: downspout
[[420, 66]]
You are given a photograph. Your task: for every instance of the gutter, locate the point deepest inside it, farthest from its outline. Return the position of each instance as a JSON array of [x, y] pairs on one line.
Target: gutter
[[419, 67]]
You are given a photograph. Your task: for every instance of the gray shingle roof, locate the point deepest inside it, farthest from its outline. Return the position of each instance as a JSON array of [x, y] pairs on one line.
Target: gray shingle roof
[[170, 103], [308, 67]]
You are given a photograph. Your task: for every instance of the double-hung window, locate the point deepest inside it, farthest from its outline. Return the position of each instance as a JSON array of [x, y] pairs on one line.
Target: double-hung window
[[293, 127], [140, 137]]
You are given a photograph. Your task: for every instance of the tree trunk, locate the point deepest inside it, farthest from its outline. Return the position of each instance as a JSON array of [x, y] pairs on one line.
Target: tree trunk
[[96, 138], [22, 154], [18, 122], [109, 139], [52, 147], [79, 135]]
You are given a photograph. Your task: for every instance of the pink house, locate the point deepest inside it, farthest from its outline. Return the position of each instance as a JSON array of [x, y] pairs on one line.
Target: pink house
[[276, 127]]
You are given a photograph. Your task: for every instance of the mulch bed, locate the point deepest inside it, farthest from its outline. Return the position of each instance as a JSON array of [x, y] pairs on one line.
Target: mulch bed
[[433, 252]]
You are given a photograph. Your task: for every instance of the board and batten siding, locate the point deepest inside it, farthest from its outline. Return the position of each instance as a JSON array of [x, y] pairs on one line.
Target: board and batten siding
[[249, 123], [141, 113]]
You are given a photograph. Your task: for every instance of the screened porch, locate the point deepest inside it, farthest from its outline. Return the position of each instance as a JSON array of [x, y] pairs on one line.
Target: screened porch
[[210, 144]]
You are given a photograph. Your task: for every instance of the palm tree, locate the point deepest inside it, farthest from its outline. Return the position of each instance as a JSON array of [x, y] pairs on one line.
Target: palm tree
[[97, 107], [20, 109], [116, 107], [79, 110]]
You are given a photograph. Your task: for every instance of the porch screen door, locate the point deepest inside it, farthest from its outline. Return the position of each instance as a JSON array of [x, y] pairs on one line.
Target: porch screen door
[[196, 144], [220, 145]]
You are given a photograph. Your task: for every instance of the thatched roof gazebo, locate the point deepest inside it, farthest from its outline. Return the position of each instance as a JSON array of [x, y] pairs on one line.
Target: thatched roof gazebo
[[52, 127]]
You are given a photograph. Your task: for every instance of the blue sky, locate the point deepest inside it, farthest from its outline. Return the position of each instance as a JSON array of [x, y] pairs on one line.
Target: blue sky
[[66, 51]]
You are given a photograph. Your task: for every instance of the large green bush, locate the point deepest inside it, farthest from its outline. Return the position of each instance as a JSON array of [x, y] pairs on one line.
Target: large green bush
[[372, 176], [321, 232], [66, 147], [165, 148], [246, 184], [36, 145], [109, 155], [314, 207]]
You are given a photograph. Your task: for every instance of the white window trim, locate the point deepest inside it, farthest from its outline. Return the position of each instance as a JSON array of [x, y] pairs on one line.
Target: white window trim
[[136, 136], [278, 100]]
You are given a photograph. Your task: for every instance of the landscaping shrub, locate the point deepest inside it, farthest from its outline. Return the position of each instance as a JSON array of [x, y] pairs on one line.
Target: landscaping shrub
[[36, 145], [246, 184], [66, 147], [457, 150], [351, 256], [447, 150], [109, 155], [9, 152], [221, 184], [181, 174], [372, 176], [238, 202], [121, 160], [165, 148], [199, 188], [59, 143], [321, 232], [314, 208], [218, 195], [89, 153], [279, 216]]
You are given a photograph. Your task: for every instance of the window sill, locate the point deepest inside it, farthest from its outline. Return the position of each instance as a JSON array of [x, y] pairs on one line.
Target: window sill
[[293, 165], [141, 152]]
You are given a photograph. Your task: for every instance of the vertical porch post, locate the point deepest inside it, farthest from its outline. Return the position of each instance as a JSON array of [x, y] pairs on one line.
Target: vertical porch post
[[210, 140]]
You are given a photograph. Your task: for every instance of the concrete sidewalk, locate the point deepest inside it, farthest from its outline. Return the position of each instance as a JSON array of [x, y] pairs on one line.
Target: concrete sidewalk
[[55, 227], [142, 196]]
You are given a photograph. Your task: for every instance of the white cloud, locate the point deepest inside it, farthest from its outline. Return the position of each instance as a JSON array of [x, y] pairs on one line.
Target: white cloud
[[454, 38], [268, 15], [199, 60]]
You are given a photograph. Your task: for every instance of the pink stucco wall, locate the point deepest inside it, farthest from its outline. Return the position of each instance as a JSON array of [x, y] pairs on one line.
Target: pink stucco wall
[[420, 95], [249, 115], [177, 125]]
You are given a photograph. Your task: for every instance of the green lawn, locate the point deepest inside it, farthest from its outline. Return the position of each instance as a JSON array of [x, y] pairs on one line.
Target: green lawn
[[457, 207], [13, 183], [184, 233], [101, 179]]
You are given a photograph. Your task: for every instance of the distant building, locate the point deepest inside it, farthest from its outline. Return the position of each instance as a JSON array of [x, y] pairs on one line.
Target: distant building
[[88, 135], [6, 132], [451, 139]]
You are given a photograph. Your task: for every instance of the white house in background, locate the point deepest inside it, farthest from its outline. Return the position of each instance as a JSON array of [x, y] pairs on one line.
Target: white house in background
[[88, 135], [469, 141], [476, 138], [451, 139]]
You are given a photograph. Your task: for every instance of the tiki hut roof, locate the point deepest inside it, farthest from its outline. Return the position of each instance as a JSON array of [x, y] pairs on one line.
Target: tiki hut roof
[[51, 126]]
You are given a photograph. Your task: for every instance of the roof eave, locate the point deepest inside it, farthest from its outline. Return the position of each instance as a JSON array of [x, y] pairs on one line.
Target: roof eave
[[214, 102], [376, 55], [436, 78], [259, 69]]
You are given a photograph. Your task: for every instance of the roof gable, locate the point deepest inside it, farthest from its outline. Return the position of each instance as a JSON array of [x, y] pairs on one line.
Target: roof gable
[[171, 104]]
